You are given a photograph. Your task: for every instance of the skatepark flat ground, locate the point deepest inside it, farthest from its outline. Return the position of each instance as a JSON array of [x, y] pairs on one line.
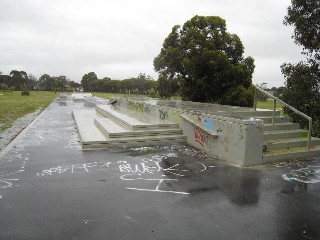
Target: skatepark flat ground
[[51, 189]]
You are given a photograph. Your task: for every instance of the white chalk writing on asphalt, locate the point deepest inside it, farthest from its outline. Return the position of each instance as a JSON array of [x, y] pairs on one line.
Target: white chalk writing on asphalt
[[309, 174], [147, 170]]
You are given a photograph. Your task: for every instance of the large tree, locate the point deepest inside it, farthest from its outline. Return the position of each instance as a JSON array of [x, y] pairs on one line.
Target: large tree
[[302, 86], [19, 79], [205, 62], [46, 82], [88, 81]]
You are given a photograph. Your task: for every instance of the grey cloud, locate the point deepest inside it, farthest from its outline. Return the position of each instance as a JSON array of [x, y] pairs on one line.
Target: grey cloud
[[120, 38]]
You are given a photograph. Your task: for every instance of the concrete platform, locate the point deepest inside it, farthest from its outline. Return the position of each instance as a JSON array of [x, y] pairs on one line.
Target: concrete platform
[[130, 122], [88, 131], [111, 129], [102, 133]]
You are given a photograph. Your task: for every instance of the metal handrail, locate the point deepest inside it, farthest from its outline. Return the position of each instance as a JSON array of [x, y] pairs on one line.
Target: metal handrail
[[275, 99]]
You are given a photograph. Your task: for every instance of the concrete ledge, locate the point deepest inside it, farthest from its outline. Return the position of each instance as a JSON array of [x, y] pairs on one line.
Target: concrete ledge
[[87, 130]]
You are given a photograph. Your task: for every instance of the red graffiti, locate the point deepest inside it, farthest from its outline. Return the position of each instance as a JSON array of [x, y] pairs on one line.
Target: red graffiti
[[199, 137]]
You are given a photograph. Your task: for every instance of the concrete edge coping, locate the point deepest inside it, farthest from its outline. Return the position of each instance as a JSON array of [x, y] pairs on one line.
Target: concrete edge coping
[[250, 121], [232, 120], [198, 125]]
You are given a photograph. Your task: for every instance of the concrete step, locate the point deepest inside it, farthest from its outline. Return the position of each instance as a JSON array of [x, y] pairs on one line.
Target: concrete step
[[281, 126], [136, 142], [273, 135], [92, 138], [112, 130], [281, 119], [288, 143], [130, 122], [291, 154], [259, 113]]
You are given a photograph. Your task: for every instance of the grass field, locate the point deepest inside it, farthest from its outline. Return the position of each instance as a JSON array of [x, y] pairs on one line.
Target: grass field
[[14, 106], [268, 104]]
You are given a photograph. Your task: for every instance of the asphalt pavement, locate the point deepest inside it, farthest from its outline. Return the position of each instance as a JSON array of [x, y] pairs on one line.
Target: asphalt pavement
[[51, 189]]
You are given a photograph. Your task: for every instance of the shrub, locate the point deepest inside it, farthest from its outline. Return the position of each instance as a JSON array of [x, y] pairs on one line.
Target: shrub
[[25, 93]]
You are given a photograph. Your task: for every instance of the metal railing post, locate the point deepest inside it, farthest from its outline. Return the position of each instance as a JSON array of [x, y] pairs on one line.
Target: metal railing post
[[274, 112], [309, 133], [275, 99]]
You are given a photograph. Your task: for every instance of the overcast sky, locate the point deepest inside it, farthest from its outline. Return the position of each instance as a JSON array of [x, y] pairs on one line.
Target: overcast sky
[[120, 38]]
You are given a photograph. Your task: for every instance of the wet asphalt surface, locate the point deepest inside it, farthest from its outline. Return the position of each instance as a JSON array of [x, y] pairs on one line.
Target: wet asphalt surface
[[51, 189]]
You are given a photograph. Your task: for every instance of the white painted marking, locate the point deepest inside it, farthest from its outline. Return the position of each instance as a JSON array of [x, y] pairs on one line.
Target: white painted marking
[[204, 166], [18, 171], [155, 190], [131, 219]]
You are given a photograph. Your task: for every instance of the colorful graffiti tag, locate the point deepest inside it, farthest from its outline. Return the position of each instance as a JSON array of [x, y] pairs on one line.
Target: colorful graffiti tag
[[199, 136]]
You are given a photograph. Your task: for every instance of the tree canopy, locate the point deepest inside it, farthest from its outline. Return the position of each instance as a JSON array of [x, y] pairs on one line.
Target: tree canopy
[[304, 15], [140, 84], [302, 86], [205, 63]]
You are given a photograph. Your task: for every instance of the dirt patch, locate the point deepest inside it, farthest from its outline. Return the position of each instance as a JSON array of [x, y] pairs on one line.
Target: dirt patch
[[10, 133]]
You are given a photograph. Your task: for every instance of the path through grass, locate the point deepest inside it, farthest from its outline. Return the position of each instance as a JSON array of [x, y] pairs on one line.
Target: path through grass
[[14, 106]]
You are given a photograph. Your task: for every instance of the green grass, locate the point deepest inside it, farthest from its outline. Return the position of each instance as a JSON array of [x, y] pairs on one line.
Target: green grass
[[268, 104], [14, 106], [110, 95]]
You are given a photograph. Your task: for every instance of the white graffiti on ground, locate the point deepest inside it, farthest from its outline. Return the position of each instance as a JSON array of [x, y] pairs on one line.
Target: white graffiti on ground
[[71, 169], [143, 172], [310, 174], [150, 169], [157, 189], [73, 142], [7, 183], [17, 156]]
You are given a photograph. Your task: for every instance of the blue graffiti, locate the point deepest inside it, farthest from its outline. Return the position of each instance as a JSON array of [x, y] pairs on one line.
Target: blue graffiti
[[208, 123]]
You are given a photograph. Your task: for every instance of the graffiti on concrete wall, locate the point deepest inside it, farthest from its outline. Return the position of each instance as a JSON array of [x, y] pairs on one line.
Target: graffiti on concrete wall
[[208, 123], [199, 136], [136, 106], [163, 113]]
